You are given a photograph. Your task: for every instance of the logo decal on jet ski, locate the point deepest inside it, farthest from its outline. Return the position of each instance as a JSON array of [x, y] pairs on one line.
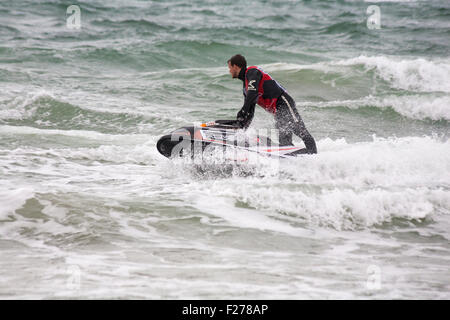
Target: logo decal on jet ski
[[218, 135]]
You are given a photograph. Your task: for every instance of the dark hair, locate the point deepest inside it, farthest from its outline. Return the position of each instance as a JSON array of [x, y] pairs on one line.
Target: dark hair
[[238, 60]]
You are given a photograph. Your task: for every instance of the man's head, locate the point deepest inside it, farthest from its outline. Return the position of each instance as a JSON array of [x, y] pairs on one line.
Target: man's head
[[235, 64]]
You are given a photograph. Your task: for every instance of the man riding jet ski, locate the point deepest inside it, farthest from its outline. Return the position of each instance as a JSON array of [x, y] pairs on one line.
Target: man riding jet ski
[[258, 88]]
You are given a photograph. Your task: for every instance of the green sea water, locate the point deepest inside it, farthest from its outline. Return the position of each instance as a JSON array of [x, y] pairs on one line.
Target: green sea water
[[90, 209]]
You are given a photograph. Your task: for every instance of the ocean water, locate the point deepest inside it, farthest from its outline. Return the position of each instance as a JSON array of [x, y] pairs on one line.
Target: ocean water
[[89, 209]]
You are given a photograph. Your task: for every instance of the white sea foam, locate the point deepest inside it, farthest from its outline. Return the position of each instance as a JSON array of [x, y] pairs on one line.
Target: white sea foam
[[408, 74], [348, 186], [86, 134], [418, 107], [402, 73], [411, 106], [13, 199], [18, 107], [245, 218], [345, 186], [428, 79]]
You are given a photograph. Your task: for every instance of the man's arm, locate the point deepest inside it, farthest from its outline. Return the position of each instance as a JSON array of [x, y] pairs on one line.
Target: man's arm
[[245, 115]]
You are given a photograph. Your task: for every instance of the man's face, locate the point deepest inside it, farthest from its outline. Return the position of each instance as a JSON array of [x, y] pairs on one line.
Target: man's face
[[234, 70]]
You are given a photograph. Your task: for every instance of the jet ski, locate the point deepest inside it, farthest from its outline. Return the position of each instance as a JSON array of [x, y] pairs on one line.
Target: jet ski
[[225, 134]]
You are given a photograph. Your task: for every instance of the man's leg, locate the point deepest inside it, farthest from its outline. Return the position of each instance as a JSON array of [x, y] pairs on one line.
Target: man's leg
[[301, 131], [290, 121], [284, 132]]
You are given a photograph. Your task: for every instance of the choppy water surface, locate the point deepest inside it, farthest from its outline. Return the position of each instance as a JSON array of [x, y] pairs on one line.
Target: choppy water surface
[[90, 209]]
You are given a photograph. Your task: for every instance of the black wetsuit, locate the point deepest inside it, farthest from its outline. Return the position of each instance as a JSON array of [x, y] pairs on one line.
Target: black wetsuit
[[287, 118]]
